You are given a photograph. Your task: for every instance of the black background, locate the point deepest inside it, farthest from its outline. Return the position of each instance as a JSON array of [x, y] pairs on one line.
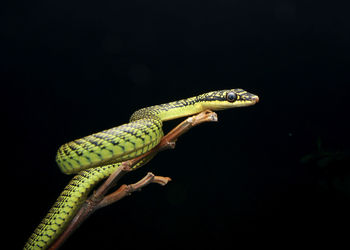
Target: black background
[[71, 68]]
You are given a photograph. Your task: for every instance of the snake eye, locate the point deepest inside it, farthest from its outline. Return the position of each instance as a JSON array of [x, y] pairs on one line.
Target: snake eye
[[231, 96]]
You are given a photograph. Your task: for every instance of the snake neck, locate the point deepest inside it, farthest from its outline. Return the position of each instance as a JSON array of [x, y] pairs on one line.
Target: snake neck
[[171, 110]]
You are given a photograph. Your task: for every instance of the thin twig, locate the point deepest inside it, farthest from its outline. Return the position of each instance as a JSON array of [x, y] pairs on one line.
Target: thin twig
[[125, 190], [98, 199]]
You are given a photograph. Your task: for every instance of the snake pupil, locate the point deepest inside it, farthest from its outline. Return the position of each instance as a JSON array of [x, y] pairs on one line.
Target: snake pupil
[[231, 96]]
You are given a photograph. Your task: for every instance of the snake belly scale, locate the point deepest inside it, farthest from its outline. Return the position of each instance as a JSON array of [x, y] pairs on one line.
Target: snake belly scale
[[95, 157]]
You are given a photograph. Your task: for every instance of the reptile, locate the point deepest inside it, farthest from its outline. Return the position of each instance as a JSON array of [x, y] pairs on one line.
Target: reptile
[[95, 157]]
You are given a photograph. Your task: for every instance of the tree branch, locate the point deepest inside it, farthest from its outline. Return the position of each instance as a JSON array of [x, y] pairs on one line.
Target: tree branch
[[99, 198], [126, 190]]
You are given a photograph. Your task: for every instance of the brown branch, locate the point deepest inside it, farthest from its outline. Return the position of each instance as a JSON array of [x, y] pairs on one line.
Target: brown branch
[[126, 190], [99, 199]]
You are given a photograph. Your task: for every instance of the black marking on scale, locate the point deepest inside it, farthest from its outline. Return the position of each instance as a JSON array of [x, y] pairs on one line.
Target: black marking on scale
[[101, 136], [78, 141], [92, 140], [111, 132]]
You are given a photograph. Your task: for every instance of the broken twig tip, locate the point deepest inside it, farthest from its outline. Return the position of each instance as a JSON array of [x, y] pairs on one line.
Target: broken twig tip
[[161, 180], [214, 117]]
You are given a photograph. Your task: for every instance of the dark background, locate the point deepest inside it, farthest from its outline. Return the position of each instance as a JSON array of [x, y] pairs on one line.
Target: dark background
[[71, 68]]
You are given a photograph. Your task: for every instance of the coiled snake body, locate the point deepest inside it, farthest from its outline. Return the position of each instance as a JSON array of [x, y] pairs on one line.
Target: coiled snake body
[[97, 156]]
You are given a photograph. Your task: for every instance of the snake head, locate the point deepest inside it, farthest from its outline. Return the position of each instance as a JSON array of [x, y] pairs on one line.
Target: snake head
[[225, 99]]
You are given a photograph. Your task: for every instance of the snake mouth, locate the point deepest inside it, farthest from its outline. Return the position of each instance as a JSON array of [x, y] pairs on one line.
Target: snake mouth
[[255, 99]]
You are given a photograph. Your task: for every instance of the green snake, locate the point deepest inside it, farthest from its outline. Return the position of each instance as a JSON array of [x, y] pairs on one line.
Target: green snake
[[97, 156]]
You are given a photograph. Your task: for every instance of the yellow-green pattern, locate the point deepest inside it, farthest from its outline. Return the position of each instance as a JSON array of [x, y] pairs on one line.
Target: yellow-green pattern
[[97, 156], [113, 145]]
